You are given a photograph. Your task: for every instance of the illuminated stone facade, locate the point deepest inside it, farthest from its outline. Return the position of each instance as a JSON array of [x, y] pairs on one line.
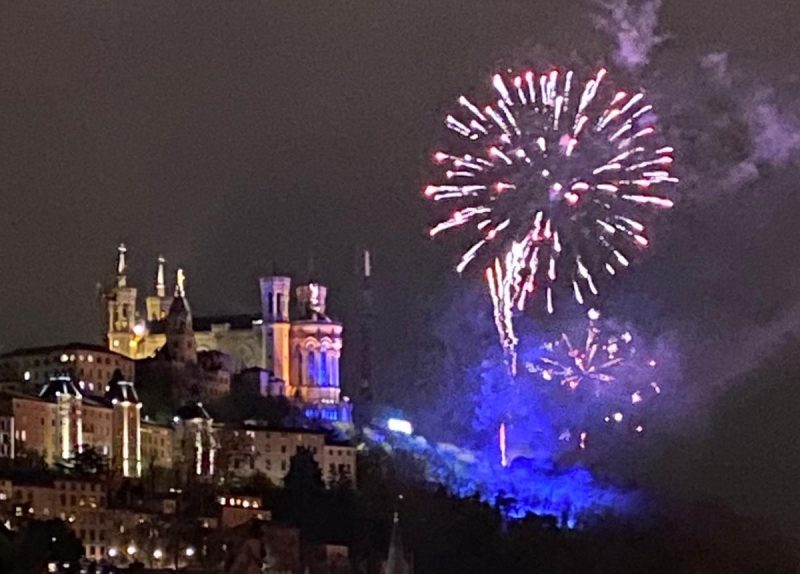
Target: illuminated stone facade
[[61, 418], [249, 450], [300, 344], [90, 366]]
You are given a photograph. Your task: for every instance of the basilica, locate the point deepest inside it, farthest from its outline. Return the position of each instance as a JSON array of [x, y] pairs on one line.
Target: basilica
[[292, 347]]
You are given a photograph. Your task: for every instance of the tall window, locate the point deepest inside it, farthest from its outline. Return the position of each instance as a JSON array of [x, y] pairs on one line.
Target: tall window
[[298, 364], [312, 367], [323, 369], [279, 306]]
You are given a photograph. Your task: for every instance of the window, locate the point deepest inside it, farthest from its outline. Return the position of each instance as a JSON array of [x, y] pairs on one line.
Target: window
[[283, 465], [283, 448], [72, 500]]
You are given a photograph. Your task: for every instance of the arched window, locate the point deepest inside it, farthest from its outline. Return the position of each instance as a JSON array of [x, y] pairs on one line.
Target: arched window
[[279, 307], [323, 369], [312, 368], [298, 365]]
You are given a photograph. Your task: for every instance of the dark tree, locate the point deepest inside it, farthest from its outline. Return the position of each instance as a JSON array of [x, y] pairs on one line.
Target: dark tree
[[37, 543], [87, 461]]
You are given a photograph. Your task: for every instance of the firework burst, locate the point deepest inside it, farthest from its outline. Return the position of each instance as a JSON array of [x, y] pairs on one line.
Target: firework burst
[[556, 182], [603, 366]]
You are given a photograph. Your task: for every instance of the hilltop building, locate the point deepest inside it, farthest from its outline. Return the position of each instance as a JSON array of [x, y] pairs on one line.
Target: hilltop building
[[293, 339]]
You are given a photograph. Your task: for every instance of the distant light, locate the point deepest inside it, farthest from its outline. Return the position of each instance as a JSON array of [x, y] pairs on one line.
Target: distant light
[[27, 376], [158, 553], [131, 549], [64, 358], [112, 552], [400, 425], [617, 417], [138, 329], [52, 567], [593, 314], [190, 551]]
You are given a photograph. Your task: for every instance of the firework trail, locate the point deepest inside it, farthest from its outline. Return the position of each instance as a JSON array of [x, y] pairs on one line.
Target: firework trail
[[603, 366], [556, 182]]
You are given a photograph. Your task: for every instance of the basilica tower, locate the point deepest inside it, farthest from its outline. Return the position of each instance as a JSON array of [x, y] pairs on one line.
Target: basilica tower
[[316, 346], [181, 345], [121, 309], [158, 304], [275, 297]]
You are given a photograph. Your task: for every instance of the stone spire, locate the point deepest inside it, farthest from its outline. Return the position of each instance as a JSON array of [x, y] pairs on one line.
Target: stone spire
[[122, 266], [178, 328], [161, 287], [180, 284], [396, 562]]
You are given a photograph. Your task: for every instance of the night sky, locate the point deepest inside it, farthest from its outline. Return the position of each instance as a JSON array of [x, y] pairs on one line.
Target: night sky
[[232, 136]]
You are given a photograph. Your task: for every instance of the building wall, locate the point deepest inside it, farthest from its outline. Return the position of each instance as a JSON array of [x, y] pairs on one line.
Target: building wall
[[269, 452], [7, 436], [126, 446], [98, 428], [338, 461], [244, 345], [35, 427], [81, 504], [156, 446], [316, 349], [95, 368], [195, 448]]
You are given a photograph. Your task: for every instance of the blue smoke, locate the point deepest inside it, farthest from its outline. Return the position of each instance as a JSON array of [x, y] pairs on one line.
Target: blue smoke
[[570, 496]]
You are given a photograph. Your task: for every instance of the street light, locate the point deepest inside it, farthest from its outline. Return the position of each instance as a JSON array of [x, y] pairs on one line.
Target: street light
[[190, 551], [158, 554], [131, 549], [112, 552]]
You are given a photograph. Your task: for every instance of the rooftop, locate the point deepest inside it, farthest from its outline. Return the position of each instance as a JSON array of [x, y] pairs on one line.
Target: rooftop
[[89, 347]]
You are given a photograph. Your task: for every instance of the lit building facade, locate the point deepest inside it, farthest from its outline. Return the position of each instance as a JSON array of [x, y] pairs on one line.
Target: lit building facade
[[248, 450], [195, 442], [299, 343], [61, 418], [91, 366]]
